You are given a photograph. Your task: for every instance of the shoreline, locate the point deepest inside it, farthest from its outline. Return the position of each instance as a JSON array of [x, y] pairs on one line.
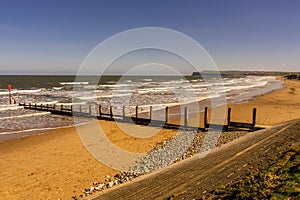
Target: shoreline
[[55, 164], [174, 116], [6, 136]]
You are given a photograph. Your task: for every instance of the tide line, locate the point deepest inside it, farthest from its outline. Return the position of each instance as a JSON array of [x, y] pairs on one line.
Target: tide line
[[26, 115]]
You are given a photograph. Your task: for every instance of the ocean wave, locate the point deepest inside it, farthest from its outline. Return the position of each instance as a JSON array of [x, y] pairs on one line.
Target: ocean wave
[[57, 88], [74, 83], [14, 91], [10, 107], [25, 115]]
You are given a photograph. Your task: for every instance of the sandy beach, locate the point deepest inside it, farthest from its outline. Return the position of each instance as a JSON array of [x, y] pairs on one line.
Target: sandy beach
[[272, 108], [276, 107], [55, 165]]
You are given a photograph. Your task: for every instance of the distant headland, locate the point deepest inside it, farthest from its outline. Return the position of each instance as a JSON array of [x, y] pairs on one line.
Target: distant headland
[[293, 75]]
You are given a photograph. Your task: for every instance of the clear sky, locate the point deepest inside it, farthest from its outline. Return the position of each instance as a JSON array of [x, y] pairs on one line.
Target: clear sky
[[53, 37]]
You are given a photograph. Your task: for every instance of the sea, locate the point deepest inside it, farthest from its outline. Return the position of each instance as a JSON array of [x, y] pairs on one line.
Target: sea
[[131, 91]]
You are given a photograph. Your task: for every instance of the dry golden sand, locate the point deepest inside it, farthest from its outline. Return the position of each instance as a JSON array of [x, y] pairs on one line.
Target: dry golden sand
[[276, 107], [56, 164]]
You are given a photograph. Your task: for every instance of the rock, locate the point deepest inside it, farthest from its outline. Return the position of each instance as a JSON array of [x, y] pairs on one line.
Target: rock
[[75, 197], [96, 183], [167, 152], [86, 191], [115, 182], [92, 189], [109, 184], [118, 176], [98, 188]]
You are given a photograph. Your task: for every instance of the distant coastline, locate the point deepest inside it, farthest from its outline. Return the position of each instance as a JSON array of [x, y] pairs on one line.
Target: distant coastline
[[236, 73]]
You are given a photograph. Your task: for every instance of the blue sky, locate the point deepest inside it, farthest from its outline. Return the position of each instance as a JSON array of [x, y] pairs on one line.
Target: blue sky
[[53, 37]]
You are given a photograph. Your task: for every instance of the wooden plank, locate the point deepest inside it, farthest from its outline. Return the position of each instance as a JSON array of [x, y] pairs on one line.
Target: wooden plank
[[143, 121], [240, 124], [66, 109], [217, 126]]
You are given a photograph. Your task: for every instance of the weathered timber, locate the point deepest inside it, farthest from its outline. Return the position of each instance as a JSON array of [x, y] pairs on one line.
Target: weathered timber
[[70, 111]]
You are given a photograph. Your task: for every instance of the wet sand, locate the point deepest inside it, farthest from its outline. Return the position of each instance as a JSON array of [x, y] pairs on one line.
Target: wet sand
[[56, 165]]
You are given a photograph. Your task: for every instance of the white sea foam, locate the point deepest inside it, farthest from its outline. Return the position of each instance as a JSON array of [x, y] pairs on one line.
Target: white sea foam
[[47, 102], [14, 91], [10, 107], [74, 83], [25, 115], [145, 93], [57, 88]]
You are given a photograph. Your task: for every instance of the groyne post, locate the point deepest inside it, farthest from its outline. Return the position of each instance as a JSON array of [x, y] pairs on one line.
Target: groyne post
[[90, 109], [150, 113], [80, 108], [253, 118], [228, 118], [185, 117], [63, 110], [167, 114], [9, 93], [123, 113], [205, 118], [100, 111], [111, 111]]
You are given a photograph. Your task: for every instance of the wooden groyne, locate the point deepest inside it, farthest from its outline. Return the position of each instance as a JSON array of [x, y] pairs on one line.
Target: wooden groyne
[[97, 112]]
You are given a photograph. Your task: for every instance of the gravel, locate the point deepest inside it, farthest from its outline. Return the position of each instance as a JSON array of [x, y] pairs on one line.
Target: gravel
[[182, 146]]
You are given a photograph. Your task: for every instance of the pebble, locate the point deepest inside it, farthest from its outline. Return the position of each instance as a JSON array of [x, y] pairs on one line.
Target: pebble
[[165, 153], [109, 184]]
